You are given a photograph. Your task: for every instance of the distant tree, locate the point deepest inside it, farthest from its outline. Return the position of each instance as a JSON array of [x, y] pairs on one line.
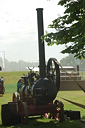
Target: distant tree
[[70, 28], [71, 61]]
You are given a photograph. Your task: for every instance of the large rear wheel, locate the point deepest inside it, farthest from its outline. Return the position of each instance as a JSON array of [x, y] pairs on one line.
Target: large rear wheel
[[10, 113]]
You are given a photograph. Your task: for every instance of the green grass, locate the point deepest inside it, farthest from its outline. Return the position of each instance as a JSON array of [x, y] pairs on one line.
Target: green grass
[[10, 88], [75, 96], [11, 79]]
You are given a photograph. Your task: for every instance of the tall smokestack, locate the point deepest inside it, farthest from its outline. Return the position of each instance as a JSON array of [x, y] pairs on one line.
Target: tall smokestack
[[41, 44]]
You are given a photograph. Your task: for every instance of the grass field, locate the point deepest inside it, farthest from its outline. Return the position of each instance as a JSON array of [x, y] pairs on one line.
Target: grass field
[[76, 96], [12, 77]]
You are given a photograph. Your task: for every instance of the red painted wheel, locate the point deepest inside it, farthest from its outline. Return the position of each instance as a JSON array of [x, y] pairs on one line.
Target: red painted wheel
[[15, 97], [24, 113], [59, 113]]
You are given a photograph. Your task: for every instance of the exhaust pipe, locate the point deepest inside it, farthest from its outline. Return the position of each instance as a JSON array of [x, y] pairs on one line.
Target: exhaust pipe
[[42, 67]]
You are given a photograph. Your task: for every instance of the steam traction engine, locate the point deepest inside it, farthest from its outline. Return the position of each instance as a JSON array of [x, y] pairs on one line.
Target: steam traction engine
[[2, 89], [36, 96]]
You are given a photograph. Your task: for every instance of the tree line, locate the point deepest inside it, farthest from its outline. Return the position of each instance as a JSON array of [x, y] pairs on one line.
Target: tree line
[[17, 66], [21, 65]]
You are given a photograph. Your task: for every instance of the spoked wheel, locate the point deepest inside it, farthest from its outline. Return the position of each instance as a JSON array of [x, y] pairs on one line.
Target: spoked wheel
[[53, 72], [59, 113], [15, 97], [24, 113]]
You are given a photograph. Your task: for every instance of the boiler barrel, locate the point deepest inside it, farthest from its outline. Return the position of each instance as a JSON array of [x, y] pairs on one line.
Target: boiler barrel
[[44, 91]]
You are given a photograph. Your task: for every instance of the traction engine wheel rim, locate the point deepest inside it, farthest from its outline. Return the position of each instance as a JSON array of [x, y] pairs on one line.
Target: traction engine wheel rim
[[15, 97], [24, 113], [59, 113]]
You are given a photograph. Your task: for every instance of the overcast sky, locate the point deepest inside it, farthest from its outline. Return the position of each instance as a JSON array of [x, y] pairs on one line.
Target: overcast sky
[[18, 29]]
